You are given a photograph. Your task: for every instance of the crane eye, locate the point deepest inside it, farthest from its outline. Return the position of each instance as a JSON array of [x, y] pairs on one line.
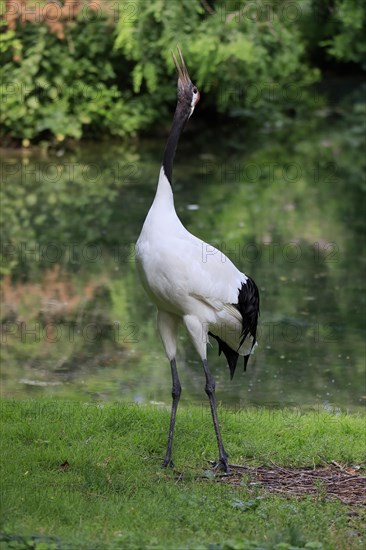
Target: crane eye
[[195, 90]]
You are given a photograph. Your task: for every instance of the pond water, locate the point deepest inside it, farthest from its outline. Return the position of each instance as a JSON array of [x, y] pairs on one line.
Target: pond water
[[285, 204]]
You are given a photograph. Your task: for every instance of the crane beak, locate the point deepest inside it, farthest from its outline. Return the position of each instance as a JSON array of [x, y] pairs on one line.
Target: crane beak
[[183, 76]]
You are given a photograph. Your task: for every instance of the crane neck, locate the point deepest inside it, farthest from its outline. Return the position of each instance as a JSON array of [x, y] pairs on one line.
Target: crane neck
[[179, 121]]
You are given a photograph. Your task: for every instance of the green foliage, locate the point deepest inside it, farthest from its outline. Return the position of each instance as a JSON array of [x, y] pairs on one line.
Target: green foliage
[[113, 75], [348, 36], [148, 38], [64, 87], [248, 65]]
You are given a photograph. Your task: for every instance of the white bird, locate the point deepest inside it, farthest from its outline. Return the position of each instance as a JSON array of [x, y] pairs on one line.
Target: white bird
[[191, 281]]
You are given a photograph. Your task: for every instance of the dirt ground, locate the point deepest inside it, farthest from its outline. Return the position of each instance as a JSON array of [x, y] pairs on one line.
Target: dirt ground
[[347, 484]]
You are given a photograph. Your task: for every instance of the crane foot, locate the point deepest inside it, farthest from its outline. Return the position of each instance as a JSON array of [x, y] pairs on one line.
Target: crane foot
[[167, 463], [222, 465]]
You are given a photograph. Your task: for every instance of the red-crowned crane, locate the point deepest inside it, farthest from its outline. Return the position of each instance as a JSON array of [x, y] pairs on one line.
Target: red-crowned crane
[[192, 282]]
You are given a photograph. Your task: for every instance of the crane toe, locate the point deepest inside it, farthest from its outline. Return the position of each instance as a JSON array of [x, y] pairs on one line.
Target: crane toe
[[167, 463], [222, 465]]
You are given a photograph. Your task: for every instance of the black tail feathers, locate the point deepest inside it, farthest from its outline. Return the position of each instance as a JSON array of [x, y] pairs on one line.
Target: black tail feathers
[[248, 306]]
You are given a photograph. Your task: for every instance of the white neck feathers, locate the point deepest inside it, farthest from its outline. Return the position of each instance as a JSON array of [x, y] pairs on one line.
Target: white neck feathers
[[164, 193]]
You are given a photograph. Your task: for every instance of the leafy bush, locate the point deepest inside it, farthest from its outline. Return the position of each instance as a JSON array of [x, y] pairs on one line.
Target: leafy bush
[[65, 87], [114, 74], [345, 30], [251, 63]]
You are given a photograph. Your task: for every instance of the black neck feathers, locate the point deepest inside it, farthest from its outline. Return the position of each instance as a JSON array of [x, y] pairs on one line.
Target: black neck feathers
[[179, 121]]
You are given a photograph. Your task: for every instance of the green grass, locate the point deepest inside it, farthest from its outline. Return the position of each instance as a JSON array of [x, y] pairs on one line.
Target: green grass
[[112, 492]]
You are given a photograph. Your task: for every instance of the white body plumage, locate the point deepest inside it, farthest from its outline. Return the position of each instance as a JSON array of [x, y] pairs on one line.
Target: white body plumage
[[188, 279]]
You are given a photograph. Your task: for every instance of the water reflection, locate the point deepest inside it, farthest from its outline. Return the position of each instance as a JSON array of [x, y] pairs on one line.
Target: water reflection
[[286, 208]]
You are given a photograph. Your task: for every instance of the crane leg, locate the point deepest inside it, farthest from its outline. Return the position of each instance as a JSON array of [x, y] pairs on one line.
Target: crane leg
[[176, 391], [210, 390]]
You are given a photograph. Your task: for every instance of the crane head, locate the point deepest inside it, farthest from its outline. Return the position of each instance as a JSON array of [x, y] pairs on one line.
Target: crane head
[[188, 94]]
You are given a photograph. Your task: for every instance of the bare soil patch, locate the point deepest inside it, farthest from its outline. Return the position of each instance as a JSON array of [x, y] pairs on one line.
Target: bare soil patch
[[347, 484]]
